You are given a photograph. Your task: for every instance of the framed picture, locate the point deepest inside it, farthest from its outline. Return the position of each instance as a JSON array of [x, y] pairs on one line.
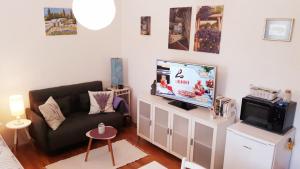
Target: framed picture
[[279, 29], [145, 25], [59, 21], [179, 28], [208, 29]]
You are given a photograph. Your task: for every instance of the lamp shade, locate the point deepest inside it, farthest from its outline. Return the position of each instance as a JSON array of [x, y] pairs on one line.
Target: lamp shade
[[16, 105], [94, 14]]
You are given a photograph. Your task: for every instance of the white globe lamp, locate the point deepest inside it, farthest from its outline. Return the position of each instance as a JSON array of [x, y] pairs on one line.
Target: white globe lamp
[[94, 14]]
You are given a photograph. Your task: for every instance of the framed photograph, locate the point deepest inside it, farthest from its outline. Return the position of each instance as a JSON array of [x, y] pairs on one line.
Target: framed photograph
[[208, 29], [145, 25], [59, 21], [179, 28], [279, 29]]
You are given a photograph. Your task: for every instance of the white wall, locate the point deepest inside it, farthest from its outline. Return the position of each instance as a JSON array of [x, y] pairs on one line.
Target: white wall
[[244, 57], [31, 60]]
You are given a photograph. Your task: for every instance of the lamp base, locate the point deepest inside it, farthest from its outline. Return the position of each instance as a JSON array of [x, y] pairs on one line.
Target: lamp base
[[18, 122]]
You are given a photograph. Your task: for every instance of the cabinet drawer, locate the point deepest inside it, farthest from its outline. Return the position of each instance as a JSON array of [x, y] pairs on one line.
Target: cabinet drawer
[[246, 153]]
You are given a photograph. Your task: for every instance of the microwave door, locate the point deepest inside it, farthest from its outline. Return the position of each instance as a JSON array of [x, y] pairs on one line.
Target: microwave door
[[258, 115]]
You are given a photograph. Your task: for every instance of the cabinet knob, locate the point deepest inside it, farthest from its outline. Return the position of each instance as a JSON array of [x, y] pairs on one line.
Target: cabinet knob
[[192, 142], [249, 148]]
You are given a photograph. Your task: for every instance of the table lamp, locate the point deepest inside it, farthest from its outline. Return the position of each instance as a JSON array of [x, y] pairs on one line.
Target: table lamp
[[17, 109]]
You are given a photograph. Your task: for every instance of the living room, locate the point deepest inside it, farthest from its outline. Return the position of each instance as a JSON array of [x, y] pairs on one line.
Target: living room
[[32, 60]]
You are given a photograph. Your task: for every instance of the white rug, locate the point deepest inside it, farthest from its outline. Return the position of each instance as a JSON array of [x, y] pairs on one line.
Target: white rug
[[100, 158], [153, 165]]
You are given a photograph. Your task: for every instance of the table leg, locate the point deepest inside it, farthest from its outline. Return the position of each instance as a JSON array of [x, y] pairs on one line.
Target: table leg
[[88, 149], [28, 135], [111, 152], [108, 146], [15, 140]]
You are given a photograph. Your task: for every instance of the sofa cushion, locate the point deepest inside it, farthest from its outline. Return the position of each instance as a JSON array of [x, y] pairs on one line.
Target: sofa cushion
[[84, 102], [52, 113], [73, 129], [39, 97], [64, 105], [101, 101]]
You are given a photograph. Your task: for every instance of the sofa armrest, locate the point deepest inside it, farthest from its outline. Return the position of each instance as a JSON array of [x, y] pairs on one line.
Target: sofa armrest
[[38, 129]]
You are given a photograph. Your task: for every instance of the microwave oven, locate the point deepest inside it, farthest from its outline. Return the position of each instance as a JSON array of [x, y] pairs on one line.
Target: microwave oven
[[275, 116]]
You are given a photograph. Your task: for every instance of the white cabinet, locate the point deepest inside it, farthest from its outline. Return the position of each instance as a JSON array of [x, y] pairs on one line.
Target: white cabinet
[[144, 120], [180, 135], [191, 134], [161, 128], [248, 147], [201, 149]]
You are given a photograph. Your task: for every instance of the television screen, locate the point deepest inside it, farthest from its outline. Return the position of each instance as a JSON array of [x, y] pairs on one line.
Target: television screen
[[189, 83]]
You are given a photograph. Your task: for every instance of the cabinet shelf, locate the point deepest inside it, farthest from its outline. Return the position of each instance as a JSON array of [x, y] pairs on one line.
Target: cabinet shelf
[[161, 126], [144, 118], [202, 144]]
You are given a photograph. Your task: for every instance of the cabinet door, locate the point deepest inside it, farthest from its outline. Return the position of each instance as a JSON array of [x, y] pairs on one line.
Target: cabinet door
[[144, 120], [245, 153], [161, 128], [180, 135], [201, 148]]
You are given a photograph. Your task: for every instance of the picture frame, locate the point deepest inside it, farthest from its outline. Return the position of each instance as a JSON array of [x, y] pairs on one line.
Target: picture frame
[[279, 29], [145, 25]]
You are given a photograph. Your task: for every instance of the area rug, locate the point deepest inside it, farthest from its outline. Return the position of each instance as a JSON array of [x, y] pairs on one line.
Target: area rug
[[153, 165], [100, 158]]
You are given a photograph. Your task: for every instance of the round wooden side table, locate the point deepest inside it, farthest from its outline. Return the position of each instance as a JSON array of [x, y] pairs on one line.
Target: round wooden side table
[[108, 135], [18, 125]]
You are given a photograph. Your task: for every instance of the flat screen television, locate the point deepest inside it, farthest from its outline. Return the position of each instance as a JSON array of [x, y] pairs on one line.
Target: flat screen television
[[189, 85]]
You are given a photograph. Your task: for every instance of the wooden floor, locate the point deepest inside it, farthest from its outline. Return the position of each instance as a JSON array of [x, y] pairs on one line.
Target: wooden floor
[[31, 158]]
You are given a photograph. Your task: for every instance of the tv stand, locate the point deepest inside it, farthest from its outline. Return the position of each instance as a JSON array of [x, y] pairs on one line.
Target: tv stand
[[192, 134], [183, 105]]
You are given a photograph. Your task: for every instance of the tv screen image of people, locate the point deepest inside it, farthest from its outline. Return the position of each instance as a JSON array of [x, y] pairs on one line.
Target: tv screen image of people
[[189, 83]]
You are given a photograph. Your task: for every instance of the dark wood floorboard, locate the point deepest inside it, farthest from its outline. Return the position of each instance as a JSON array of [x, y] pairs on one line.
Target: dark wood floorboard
[[32, 158]]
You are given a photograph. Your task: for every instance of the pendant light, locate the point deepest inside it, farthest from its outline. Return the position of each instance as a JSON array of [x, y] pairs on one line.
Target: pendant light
[[94, 14]]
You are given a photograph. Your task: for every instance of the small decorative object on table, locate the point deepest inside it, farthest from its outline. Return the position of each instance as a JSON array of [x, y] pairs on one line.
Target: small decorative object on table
[[287, 96], [117, 73], [101, 128], [264, 93], [153, 88], [212, 113], [108, 134]]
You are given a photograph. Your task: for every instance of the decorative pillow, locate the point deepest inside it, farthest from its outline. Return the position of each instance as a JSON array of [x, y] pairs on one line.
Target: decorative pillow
[[52, 113], [101, 101], [64, 105]]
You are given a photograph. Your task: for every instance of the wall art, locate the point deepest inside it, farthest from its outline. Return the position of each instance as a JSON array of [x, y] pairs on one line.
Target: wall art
[[145, 25], [208, 29], [279, 29], [59, 21], [179, 28]]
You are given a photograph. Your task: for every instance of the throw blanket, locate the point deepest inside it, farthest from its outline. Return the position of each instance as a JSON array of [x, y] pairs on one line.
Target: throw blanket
[[118, 101]]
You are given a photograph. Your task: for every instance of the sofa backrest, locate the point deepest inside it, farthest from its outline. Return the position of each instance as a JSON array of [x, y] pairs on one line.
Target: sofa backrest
[[39, 97]]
